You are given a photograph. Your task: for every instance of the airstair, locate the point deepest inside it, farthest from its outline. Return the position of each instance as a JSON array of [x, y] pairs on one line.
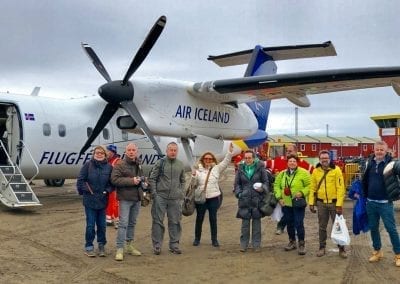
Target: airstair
[[15, 191]]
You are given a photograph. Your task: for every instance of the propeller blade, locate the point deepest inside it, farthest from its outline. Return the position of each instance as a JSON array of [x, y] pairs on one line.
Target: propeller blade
[[96, 61], [105, 117], [147, 45], [131, 108]]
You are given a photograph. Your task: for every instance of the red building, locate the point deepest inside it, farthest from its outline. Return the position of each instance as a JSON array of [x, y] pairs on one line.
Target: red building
[[389, 131], [309, 146]]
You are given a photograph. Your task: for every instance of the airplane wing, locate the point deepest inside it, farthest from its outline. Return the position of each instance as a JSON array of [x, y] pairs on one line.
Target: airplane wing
[[296, 86]]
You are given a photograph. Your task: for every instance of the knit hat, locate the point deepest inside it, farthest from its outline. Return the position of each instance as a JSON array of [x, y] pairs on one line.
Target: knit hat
[[112, 148]]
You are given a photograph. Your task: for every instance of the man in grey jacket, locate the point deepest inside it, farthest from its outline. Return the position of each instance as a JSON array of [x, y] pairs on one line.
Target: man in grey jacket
[[167, 180]]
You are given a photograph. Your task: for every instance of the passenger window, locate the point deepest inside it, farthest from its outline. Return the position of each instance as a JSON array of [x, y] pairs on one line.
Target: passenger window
[[106, 134], [46, 129], [89, 131], [62, 130]]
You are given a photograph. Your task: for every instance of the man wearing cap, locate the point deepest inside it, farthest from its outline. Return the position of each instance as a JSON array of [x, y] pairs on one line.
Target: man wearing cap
[[113, 205]]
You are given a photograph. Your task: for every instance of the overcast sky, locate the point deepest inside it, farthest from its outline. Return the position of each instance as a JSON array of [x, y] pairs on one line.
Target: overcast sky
[[40, 46]]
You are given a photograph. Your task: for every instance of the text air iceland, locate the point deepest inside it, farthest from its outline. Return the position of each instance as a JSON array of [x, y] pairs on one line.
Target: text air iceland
[[203, 114]]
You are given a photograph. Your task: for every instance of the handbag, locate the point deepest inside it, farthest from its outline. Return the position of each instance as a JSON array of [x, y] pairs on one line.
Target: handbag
[[340, 233], [268, 204], [188, 205], [200, 194], [299, 202]]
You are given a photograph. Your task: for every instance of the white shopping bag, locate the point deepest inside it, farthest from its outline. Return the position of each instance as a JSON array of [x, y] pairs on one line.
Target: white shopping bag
[[277, 213], [340, 233]]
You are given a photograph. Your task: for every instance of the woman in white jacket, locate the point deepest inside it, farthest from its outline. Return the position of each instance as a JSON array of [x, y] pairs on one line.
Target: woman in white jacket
[[207, 193]]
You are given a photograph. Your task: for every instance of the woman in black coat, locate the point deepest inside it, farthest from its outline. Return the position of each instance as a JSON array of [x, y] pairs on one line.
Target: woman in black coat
[[251, 183]]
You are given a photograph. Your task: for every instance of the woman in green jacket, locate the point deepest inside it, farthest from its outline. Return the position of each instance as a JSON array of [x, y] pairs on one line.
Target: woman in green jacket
[[290, 184]]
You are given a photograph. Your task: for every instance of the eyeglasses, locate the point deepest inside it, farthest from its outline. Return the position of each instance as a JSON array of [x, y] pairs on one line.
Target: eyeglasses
[[99, 153], [208, 159]]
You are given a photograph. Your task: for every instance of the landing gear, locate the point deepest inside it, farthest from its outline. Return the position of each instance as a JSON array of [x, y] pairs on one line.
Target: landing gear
[[54, 182]]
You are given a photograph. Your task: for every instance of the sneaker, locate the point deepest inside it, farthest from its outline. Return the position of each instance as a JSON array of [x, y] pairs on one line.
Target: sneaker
[[397, 260], [157, 250], [376, 256], [90, 253], [130, 249], [257, 249], [196, 242], [342, 253], [119, 256], [102, 252], [291, 246], [302, 248], [215, 243], [279, 232], [175, 250], [321, 252]]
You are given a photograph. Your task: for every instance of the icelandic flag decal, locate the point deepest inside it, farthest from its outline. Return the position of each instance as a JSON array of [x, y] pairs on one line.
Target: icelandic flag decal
[[29, 116]]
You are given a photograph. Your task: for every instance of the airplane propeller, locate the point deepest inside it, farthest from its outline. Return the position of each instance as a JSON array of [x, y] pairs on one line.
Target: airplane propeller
[[120, 93]]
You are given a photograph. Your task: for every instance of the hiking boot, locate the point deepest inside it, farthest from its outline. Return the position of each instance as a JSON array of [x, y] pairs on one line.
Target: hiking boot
[[119, 256], [196, 242], [130, 249], [342, 252], [376, 256], [157, 250], [321, 252], [102, 251], [175, 250], [90, 253], [291, 246], [397, 260], [302, 248], [279, 232], [215, 243]]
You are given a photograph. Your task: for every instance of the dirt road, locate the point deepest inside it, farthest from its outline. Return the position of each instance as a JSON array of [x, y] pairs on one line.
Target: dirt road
[[45, 245]]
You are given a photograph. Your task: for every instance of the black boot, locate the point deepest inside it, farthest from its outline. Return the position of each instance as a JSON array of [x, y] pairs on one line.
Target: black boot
[[215, 243], [196, 242]]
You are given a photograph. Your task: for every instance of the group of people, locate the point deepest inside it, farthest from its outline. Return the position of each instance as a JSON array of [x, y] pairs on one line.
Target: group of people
[[296, 185]]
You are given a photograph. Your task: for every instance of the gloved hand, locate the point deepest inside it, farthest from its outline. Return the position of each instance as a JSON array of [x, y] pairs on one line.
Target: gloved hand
[[238, 195], [312, 209], [339, 210]]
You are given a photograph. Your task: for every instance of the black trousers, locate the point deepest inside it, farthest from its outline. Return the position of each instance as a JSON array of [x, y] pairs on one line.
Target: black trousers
[[211, 205]]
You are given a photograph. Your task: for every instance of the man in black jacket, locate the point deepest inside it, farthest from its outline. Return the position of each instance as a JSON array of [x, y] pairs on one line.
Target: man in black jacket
[[379, 205]]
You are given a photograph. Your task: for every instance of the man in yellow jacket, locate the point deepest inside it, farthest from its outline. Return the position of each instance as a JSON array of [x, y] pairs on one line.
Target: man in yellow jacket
[[327, 193]]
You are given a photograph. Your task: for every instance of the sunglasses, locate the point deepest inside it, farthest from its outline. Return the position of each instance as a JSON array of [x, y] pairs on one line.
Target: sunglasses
[[208, 159]]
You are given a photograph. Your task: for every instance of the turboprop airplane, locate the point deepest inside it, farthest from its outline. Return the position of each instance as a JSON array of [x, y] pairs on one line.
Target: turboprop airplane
[[50, 138]]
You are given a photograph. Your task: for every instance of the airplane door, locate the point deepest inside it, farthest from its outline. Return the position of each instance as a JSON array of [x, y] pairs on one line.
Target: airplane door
[[10, 132]]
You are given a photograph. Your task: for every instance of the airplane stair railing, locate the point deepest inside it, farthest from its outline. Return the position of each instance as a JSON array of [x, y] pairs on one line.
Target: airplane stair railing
[[15, 190]]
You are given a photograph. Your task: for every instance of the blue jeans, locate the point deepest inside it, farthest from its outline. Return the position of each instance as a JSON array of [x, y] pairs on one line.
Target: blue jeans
[[128, 213], [295, 222], [376, 210], [95, 217]]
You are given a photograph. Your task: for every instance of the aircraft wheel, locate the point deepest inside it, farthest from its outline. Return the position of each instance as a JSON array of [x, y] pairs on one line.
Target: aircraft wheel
[[59, 182], [48, 182]]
